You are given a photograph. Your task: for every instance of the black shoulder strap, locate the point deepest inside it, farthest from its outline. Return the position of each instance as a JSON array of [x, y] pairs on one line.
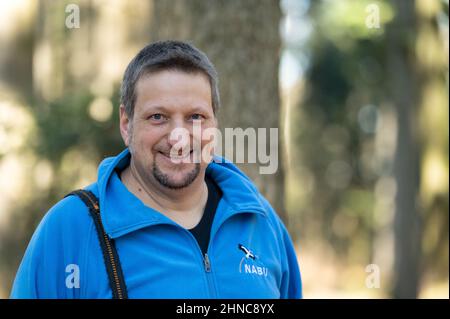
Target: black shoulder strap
[[110, 256]]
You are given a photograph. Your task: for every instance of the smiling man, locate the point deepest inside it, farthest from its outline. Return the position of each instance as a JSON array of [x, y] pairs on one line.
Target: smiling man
[[158, 223]]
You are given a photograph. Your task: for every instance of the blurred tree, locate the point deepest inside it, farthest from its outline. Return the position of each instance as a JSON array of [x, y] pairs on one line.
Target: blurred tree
[[416, 67], [372, 140], [332, 151], [405, 89], [74, 96], [242, 39]]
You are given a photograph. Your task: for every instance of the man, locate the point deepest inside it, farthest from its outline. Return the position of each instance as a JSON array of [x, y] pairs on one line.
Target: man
[[158, 223]]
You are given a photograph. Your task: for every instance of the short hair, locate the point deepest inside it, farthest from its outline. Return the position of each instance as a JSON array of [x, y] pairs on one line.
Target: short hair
[[167, 55]]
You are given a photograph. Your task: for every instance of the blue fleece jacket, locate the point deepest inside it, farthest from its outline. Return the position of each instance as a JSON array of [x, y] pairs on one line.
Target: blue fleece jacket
[[161, 259]]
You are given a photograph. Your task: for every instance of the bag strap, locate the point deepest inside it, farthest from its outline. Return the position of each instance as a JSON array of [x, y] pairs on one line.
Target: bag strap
[[107, 244]]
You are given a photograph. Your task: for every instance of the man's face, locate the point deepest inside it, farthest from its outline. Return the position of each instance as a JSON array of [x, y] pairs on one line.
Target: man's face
[[168, 100]]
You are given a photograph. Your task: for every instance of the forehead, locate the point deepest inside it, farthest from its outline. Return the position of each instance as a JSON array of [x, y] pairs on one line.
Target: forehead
[[173, 89]]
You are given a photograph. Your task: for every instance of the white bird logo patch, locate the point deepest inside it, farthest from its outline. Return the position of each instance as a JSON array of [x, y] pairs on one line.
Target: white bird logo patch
[[251, 265], [248, 252]]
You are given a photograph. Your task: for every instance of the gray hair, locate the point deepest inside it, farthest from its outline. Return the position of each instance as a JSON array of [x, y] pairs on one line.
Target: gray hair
[[167, 55]]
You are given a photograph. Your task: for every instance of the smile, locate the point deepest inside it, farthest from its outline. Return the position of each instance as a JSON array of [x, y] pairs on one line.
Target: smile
[[176, 158]]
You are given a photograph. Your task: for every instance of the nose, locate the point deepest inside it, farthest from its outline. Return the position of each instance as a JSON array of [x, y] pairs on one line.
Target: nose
[[179, 133]]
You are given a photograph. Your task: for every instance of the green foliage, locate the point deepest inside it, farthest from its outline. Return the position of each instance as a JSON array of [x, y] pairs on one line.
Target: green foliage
[[66, 123]]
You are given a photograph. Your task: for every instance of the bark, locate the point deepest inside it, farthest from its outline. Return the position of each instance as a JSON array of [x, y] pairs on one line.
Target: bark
[[405, 87]]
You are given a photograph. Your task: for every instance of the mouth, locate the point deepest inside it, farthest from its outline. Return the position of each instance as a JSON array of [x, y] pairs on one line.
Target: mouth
[[176, 158]]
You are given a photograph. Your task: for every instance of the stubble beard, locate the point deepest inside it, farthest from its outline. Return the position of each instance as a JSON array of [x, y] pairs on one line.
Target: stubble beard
[[164, 179]]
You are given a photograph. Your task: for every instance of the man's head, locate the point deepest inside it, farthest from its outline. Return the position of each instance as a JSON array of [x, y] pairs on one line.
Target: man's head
[[167, 87], [167, 55]]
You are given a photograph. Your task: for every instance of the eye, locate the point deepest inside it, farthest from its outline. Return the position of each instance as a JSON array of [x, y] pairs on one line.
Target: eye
[[157, 117], [197, 116]]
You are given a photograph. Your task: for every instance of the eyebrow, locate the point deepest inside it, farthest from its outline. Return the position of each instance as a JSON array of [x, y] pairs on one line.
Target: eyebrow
[[155, 108], [162, 108]]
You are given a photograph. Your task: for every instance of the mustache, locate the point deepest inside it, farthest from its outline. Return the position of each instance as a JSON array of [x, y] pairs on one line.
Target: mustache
[[170, 150]]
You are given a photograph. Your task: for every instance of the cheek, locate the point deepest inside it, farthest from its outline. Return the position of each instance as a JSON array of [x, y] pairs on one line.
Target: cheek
[[206, 140], [208, 134], [146, 139], [208, 143]]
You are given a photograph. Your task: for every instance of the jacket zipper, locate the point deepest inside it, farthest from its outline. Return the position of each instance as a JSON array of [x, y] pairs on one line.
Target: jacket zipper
[[208, 274], [207, 263]]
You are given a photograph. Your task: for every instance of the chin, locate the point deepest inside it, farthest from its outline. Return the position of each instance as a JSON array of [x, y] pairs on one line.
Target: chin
[[176, 179]]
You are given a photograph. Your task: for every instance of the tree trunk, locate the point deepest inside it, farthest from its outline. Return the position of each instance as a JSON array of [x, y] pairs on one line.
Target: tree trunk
[[241, 38], [405, 86]]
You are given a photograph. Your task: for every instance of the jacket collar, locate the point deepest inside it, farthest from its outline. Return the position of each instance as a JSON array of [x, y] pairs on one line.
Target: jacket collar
[[122, 212]]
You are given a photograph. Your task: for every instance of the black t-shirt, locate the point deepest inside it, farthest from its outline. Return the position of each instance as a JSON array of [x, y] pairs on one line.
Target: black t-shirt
[[202, 231]]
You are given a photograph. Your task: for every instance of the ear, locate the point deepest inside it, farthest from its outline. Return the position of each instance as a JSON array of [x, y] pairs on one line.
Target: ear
[[124, 125]]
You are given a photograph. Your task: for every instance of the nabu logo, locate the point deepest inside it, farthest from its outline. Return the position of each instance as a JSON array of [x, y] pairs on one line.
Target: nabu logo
[[250, 263]]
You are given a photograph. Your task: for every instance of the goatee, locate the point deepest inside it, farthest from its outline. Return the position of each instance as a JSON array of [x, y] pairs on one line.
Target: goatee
[[166, 181]]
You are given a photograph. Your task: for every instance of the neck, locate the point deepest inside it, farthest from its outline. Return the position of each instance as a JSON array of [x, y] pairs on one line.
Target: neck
[[188, 199]]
